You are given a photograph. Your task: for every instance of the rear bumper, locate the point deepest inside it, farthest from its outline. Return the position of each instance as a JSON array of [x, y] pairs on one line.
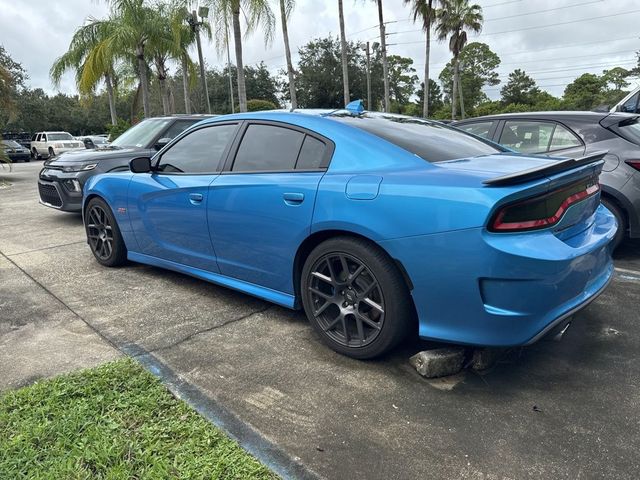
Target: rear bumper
[[478, 288]]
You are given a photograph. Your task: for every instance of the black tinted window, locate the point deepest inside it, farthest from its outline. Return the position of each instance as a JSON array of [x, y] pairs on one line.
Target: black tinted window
[[268, 148], [631, 105], [311, 154], [481, 129], [177, 128], [199, 151], [431, 141]]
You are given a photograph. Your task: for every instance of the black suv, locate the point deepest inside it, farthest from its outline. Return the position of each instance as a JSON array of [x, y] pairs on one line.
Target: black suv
[[61, 180]]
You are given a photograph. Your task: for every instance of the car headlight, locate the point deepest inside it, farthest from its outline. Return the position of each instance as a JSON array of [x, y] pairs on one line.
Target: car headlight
[[79, 168]]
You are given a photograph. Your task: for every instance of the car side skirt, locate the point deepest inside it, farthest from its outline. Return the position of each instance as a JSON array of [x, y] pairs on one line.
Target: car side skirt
[[273, 296]]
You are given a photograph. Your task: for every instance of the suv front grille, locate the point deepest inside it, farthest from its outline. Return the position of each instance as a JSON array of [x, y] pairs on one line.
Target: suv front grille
[[49, 194]]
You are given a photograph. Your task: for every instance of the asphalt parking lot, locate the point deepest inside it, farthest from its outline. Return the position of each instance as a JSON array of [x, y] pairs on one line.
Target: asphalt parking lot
[[568, 409]]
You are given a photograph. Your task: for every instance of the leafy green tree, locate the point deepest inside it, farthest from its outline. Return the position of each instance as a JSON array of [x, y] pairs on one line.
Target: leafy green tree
[[435, 97], [477, 65], [12, 77], [257, 13], [453, 20], [402, 78], [258, 105], [520, 88], [424, 11], [617, 77], [584, 92], [90, 60]]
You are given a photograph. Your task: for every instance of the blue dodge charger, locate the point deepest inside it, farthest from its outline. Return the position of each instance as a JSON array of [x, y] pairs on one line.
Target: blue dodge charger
[[377, 225]]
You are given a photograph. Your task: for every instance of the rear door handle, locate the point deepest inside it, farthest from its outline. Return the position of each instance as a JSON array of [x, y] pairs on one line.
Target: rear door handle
[[195, 198], [293, 198]]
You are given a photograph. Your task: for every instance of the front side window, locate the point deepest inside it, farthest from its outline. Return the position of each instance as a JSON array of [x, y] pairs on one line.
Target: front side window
[[527, 136], [631, 105], [199, 151], [267, 148], [481, 129]]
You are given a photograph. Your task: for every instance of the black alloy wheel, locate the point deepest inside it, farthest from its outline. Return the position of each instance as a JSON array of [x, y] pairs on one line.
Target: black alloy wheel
[[104, 235], [355, 297]]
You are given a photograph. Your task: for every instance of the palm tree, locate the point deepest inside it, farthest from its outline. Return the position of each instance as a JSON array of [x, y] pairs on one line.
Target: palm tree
[[425, 11], [343, 47], [257, 14], [91, 63], [385, 64], [454, 18], [285, 10]]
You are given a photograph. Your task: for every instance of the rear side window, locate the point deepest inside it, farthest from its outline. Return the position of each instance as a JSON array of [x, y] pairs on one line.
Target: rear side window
[[311, 154], [629, 130], [481, 129], [430, 141], [526, 136], [267, 148], [563, 138], [199, 151]]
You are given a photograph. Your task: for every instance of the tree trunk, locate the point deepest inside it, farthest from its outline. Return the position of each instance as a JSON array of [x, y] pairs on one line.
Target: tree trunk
[[237, 40], [454, 88], [425, 106], [163, 95], [287, 52], [185, 85], [112, 100], [385, 65], [343, 47], [144, 81], [462, 114]]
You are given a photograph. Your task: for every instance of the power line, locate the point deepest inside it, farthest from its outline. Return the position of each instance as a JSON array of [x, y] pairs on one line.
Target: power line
[[501, 3], [543, 11]]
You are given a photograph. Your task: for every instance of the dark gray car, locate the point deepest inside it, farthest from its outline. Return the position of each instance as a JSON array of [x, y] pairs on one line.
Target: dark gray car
[[575, 134], [62, 178]]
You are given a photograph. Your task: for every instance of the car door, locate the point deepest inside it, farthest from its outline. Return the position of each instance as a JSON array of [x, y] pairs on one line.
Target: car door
[[540, 137], [168, 207], [261, 206]]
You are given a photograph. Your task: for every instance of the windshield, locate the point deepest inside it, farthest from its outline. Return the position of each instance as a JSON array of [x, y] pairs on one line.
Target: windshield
[[98, 140], [142, 134], [11, 143], [53, 137], [430, 141]]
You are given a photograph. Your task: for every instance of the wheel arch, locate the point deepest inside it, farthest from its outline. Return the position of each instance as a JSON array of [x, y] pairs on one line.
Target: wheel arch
[[315, 239], [607, 194]]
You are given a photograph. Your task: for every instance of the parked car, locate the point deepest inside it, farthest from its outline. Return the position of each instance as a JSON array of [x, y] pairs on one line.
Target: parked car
[[50, 144], [365, 220], [23, 138], [15, 151], [574, 134], [629, 104], [94, 141], [61, 180]]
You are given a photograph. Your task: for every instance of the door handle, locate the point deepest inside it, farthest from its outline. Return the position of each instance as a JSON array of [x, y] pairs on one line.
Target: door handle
[[293, 198], [195, 198]]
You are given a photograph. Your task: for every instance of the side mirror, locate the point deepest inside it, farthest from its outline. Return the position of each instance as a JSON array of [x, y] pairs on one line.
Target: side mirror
[[161, 143], [140, 165]]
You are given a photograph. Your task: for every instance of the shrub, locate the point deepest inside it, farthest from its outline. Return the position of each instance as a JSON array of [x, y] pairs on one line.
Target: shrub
[[258, 105]]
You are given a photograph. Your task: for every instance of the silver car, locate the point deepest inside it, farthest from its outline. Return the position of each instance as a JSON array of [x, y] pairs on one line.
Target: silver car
[[575, 134]]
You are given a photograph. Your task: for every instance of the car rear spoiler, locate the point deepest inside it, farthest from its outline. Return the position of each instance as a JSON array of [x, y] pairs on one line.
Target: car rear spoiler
[[544, 170]]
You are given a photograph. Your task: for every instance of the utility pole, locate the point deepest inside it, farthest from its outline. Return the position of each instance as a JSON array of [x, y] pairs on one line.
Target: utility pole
[[226, 35], [195, 26], [385, 66], [368, 78]]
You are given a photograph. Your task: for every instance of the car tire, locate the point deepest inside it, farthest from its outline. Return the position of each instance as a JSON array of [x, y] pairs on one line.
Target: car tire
[[51, 153], [355, 297], [34, 154], [620, 218], [103, 234]]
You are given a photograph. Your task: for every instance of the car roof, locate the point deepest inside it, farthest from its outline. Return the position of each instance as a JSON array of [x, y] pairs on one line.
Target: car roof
[[549, 115], [188, 116]]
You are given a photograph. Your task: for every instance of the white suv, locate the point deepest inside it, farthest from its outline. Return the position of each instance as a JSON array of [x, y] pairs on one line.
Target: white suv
[[50, 144]]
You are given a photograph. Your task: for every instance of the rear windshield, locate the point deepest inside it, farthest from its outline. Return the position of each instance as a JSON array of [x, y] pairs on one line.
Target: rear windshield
[[630, 130], [59, 136], [430, 141]]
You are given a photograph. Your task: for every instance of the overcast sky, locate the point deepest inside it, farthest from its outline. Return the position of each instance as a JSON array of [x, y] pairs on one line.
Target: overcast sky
[[552, 40]]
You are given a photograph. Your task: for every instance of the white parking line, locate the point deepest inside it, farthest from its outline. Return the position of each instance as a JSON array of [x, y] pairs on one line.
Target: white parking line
[[627, 274]]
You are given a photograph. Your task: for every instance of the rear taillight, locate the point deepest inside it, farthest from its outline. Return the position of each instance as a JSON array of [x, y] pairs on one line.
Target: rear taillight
[[633, 163], [543, 211]]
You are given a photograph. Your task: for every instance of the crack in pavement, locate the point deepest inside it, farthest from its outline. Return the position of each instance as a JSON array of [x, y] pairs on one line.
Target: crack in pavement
[[207, 330], [43, 248]]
